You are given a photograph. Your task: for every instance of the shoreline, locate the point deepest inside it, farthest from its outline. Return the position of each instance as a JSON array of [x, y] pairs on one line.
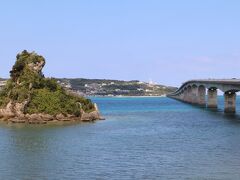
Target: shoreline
[[220, 95], [125, 96]]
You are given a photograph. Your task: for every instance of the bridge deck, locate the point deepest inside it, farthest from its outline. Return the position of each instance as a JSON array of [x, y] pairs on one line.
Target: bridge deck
[[222, 82]]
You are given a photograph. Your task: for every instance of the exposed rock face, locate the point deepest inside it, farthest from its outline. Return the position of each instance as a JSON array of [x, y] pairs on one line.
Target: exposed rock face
[[14, 113], [25, 98], [9, 115], [92, 115], [37, 67], [7, 112]]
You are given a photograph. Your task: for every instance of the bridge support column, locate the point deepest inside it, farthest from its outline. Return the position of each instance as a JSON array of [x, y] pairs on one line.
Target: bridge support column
[[194, 94], [180, 96], [202, 96], [230, 102], [189, 94], [185, 95], [212, 98]]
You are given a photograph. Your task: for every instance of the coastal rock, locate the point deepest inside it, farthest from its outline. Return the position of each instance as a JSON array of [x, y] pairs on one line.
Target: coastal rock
[[29, 97], [47, 117], [17, 120], [14, 112], [37, 122], [90, 116], [39, 117], [18, 108], [7, 112], [60, 117], [35, 117]]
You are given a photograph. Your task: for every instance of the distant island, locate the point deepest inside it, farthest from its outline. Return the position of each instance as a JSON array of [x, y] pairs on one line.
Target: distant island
[[29, 97], [110, 88], [106, 87]]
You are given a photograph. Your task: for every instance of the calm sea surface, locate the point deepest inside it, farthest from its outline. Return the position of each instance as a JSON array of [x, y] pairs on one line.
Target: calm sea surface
[[142, 138]]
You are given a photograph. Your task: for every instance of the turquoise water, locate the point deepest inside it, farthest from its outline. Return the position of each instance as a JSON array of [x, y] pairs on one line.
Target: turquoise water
[[142, 138]]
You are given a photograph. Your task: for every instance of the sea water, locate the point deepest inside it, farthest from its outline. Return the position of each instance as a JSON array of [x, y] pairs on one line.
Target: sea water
[[141, 138]]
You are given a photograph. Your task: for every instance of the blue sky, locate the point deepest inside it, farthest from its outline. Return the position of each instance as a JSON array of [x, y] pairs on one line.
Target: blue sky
[[167, 41]]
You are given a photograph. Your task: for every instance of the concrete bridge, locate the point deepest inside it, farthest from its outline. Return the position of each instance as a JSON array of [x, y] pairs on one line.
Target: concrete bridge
[[194, 92]]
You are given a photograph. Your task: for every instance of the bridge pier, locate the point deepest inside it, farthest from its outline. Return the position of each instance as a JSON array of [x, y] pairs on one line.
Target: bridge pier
[[185, 95], [189, 94], [194, 95], [202, 96], [181, 96], [229, 102], [212, 98]]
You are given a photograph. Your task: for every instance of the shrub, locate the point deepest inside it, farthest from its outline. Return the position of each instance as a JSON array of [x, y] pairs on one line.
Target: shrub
[[53, 102]]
